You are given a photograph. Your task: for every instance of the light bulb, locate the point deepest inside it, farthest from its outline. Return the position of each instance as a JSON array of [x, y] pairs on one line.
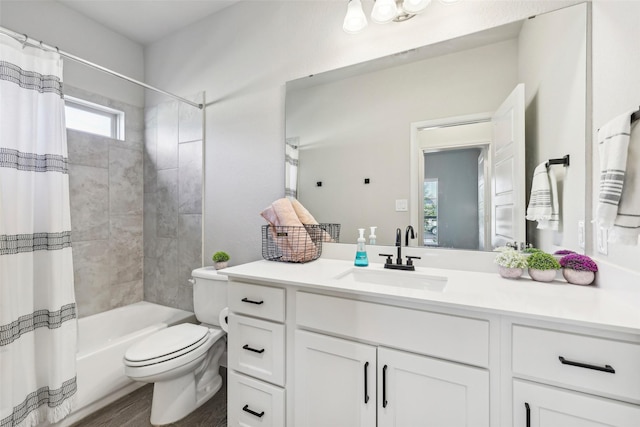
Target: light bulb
[[355, 20], [415, 6], [384, 11]]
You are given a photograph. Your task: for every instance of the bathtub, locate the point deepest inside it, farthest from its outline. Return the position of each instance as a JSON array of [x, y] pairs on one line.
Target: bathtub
[[103, 339]]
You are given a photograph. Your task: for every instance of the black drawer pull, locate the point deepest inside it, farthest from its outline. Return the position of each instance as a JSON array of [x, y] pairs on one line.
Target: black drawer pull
[[246, 347], [252, 302], [384, 386], [528, 409], [246, 409], [366, 387], [605, 368]]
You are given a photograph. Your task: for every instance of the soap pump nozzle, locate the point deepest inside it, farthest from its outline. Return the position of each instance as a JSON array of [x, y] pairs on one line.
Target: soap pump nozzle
[[372, 236]]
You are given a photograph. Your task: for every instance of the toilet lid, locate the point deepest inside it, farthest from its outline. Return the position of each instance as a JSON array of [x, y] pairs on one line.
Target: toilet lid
[[172, 340]]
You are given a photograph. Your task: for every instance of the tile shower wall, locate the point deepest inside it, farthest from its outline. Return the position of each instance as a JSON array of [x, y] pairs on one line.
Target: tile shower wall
[[172, 202], [106, 196]]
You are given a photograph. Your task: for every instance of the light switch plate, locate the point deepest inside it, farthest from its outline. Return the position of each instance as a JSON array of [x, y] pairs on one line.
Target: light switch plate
[[402, 205]]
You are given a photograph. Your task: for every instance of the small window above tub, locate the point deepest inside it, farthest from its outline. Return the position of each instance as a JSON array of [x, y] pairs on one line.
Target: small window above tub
[[93, 118]]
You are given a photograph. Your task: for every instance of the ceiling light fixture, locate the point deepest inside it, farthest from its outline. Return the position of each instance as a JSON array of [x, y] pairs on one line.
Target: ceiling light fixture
[[384, 11], [354, 20]]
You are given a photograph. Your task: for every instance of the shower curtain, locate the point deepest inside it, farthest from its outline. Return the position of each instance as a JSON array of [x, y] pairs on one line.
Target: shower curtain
[[37, 305], [291, 167]]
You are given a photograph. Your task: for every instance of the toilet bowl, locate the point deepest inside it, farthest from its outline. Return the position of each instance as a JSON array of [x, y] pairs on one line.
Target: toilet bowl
[[183, 361]]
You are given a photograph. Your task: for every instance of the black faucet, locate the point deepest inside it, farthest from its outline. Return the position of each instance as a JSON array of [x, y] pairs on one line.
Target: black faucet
[[399, 246], [406, 235], [398, 265]]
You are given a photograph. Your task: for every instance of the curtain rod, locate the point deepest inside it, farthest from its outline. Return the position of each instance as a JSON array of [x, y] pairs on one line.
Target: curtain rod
[[26, 40]]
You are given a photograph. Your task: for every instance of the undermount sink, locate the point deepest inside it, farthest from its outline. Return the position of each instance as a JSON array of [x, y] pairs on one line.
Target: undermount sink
[[403, 279]]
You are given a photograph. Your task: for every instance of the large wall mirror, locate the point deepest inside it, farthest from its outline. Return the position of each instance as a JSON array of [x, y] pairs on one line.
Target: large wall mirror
[[374, 144]]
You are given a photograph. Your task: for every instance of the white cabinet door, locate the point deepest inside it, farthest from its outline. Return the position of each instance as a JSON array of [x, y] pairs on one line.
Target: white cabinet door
[[420, 391], [538, 405], [335, 382]]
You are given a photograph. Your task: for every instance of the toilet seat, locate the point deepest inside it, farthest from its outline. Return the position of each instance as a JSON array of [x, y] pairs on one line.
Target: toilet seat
[[166, 344], [171, 343]]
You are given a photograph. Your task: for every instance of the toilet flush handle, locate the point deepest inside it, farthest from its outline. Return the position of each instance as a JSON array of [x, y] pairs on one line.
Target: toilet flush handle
[[192, 281]]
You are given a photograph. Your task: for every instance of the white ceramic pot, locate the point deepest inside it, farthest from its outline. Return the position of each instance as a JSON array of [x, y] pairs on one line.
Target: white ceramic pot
[[542, 275], [220, 265], [510, 273], [578, 277]]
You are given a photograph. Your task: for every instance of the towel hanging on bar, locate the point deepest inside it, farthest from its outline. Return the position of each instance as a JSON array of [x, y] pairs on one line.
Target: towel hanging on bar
[[543, 203], [619, 199]]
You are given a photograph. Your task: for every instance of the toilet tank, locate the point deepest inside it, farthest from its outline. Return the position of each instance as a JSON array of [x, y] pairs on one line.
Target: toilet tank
[[209, 294]]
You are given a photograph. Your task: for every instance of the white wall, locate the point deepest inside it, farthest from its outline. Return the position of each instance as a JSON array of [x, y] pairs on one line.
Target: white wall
[[242, 58], [616, 89], [552, 51], [57, 25]]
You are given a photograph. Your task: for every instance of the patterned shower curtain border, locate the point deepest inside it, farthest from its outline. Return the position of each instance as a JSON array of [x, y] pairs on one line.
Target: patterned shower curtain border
[[30, 79], [11, 244], [44, 395], [38, 319], [10, 158]]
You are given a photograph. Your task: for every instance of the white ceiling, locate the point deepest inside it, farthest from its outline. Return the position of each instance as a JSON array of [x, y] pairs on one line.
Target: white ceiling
[[146, 21]]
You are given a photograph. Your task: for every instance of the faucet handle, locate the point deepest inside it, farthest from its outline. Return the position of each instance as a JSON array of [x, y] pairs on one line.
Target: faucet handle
[[389, 256], [411, 258]]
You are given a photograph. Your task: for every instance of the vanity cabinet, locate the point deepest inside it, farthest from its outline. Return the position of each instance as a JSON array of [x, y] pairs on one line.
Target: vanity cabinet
[[303, 352], [340, 382], [344, 382], [568, 379], [256, 355]]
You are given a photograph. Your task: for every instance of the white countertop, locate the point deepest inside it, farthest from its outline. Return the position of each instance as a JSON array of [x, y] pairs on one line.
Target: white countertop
[[555, 301]]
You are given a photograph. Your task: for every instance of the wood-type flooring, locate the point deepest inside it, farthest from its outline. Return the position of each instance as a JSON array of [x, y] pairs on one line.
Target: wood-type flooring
[[134, 410]]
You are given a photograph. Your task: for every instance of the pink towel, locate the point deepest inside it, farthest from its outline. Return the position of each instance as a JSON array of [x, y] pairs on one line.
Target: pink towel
[[294, 243], [306, 218]]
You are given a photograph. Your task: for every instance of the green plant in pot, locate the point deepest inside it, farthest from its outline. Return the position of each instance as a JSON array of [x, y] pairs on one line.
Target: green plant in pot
[[511, 263], [542, 266], [529, 251], [220, 260]]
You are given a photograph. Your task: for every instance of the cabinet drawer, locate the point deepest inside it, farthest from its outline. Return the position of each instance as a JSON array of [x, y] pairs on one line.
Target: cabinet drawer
[[456, 338], [256, 348], [599, 365], [255, 300], [253, 403]]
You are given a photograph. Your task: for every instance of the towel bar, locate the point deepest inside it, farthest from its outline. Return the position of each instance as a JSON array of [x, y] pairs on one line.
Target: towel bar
[[563, 161]]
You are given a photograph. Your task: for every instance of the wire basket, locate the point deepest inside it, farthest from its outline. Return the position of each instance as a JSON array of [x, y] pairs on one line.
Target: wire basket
[[333, 231], [296, 244]]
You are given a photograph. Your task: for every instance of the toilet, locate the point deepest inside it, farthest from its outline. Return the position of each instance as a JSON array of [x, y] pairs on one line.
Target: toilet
[[183, 361]]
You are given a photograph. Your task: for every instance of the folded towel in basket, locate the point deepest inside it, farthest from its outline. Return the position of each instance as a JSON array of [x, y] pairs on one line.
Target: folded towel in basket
[[304, 215], [306, 218], [543, 202], [619, 198], [289, 233]]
